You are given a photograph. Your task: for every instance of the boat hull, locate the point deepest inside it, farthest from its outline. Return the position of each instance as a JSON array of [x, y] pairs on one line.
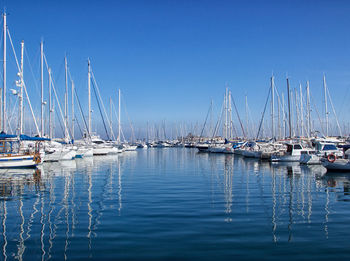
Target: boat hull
[[20, 161], [338, 165]]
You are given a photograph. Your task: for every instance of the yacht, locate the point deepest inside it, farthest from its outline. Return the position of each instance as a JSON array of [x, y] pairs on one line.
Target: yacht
[[292, 154], [13, 156], [322, 149]]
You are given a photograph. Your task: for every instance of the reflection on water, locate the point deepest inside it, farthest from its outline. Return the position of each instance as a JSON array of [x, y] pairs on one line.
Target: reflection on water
[[163, 201]]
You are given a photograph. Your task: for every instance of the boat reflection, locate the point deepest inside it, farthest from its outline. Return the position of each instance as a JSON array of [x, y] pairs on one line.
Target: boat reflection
[[13, 182]]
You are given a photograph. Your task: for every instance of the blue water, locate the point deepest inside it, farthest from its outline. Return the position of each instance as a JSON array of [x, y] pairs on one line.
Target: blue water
[[174, 204]]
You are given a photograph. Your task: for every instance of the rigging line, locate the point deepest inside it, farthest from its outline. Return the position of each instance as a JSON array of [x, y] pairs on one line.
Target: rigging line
[[218, 122], [318, 114], [9, 119], [81, 112], [99, 97], [336, 118], [239, 118], [206, 118], [81, 131], [60, 121], [263, 114], [24, 85], [99, 107], [36, 84], [57, 100], [58, 75], [127, 114]]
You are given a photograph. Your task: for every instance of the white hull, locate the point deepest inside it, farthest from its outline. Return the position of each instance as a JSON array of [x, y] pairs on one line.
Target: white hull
[[114, 150], [69, 155], [286, 158], [337, 165], [59, 154], [218, 149], [130, 148], [100, 151], [104, 150], [251, 154], [84, 152], [310, 159], [18, 161]]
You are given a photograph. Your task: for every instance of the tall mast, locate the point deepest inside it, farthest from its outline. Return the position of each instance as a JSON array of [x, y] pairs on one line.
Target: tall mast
[[225, 127], [147, 133], [110, 115], [273, 106], [119, 129], [73, 117], [230, 115], [325, 103], [279, 116], [246, 116], [301, 112], [42, 86], [50, 107], [308, 109], [4, 77], [66, 99], [297, 119], [289, 112], [211, 118], [20, 129], [89, 97], [283, 117]]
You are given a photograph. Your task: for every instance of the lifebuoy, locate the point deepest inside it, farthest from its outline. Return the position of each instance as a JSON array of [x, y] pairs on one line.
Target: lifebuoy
[[331, 158]]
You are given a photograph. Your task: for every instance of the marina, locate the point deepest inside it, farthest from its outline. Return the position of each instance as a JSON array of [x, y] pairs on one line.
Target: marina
[[174, 130], [173, 203]]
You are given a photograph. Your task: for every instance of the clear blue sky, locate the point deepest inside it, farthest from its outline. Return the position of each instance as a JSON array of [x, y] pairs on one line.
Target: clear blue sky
[[170, 58]]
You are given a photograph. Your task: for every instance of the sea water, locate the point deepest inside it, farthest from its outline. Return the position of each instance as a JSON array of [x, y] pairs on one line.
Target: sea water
[[174, 204]]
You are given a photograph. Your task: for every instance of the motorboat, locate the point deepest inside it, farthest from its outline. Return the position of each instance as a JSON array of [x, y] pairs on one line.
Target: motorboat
[[322, 149], [334, 163], [292, 154]]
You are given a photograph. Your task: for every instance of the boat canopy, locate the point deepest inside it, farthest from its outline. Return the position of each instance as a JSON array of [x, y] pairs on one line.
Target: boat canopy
[[6, 136], [26, 137]]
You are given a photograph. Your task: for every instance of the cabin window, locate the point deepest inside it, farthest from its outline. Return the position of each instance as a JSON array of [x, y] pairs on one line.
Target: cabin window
[[329, 147], [297, 147], [5, 147]]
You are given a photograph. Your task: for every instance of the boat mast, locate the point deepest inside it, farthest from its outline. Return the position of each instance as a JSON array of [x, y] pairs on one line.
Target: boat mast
[[89, 96], [73, 118], [273, 106], [20, 129], [4, 77], [110, 115], [246, 116], [50, 106], [301, 112], [42, 86], [297, 119], [308, 109], [225, 101], [230, 114], [119, 129], [325, 103], [279, 116], [289, 112], [283, 117], [66, 99]]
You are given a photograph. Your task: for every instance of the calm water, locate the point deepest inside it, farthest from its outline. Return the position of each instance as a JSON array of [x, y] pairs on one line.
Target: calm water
[[174, 204]]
